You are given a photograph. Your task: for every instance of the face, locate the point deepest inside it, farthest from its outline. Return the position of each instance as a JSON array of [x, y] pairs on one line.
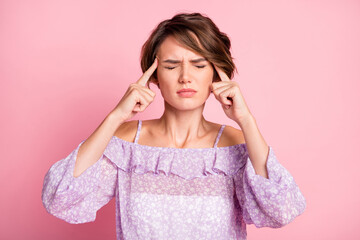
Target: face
[[180, 68]]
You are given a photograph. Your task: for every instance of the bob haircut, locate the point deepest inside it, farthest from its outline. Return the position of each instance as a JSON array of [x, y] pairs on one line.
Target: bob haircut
[[197, 33]]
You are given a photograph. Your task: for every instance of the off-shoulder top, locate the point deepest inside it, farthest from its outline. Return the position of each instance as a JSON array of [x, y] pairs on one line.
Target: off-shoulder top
[[174, 193]]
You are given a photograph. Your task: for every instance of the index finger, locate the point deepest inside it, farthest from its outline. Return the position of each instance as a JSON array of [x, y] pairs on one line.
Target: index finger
[[147, 74], [221, 74]]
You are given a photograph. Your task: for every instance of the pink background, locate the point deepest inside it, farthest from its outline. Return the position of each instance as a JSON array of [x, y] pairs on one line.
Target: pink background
[[65, 64]]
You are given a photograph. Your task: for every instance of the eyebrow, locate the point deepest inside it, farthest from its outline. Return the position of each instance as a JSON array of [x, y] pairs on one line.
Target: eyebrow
[[177, 61]]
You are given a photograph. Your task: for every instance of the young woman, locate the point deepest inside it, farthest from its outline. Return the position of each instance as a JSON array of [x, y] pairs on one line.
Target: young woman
[[179, 176]]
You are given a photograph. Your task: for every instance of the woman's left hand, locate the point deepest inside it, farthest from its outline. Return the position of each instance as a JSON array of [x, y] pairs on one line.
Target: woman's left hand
[[228, 93]]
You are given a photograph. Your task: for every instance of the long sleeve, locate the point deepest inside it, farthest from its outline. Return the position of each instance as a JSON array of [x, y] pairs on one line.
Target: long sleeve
[[268, 202], [76, 200]]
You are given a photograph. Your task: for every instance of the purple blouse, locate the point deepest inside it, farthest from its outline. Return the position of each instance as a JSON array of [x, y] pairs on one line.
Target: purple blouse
[[174, 193]]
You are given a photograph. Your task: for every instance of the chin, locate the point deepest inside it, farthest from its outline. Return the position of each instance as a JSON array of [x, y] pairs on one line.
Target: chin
[[188, 106]]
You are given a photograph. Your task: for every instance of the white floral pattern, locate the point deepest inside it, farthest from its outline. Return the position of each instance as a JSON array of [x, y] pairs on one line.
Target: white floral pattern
[[173, 193]]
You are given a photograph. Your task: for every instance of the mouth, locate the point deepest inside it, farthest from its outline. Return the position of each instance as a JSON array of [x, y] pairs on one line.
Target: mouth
[[186, 92]]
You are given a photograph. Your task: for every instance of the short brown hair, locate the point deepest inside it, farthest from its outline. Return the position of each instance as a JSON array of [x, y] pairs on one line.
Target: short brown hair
[[215, 45]]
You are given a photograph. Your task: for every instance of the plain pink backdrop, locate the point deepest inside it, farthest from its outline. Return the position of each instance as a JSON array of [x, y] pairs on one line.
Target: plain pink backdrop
[[65, 64]]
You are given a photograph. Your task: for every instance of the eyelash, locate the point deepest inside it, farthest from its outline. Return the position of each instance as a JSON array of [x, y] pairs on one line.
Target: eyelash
[[170, 68]]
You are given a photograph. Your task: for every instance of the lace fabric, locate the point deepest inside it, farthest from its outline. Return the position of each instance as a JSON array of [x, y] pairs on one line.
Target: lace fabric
[[172, 193]]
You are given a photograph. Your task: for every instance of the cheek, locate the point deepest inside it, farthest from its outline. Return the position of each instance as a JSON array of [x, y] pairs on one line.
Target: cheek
[[166, 79], [208, 77], [164, 74]]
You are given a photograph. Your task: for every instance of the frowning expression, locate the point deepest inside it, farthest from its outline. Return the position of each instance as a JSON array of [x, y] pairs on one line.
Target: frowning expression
[[180, 68]]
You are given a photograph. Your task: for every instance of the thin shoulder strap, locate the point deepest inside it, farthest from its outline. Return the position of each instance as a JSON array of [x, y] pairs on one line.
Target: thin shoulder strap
[[219, 134], [138, 132]]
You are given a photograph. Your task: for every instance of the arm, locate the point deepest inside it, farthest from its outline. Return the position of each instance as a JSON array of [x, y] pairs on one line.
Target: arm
[[268, 202], [76, 200], [80, 184], [267, 192], [94, 146], [257, 147], [77, 197], [136, 99]]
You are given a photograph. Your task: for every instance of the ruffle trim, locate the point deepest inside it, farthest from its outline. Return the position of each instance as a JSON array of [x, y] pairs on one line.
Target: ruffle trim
[[187, 163]]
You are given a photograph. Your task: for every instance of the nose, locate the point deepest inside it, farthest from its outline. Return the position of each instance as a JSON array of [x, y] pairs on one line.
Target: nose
[[184, 74]]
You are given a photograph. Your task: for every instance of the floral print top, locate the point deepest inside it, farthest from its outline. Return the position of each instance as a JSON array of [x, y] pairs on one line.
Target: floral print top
[[174, 193]]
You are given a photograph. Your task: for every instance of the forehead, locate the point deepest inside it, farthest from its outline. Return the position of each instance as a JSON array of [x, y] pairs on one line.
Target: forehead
[[171, 47]]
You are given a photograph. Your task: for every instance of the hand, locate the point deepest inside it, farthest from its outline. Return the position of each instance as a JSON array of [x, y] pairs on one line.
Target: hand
[[229, 95], [137, 97]]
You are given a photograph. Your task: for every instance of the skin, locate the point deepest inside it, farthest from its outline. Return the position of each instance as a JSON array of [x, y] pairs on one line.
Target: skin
[[182, 124]]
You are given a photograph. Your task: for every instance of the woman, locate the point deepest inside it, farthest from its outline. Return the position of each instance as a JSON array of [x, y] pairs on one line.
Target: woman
[[179, 176]]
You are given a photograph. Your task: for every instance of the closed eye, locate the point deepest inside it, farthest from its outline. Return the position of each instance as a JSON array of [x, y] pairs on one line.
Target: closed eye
[[170, 68]]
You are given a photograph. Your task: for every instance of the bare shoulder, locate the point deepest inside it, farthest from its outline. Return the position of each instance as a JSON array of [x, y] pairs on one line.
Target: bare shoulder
[[127, 130], [231, 136]]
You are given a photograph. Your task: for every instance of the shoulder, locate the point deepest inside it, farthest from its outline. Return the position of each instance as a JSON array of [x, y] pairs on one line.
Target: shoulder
[[231, 136], [127, 130]]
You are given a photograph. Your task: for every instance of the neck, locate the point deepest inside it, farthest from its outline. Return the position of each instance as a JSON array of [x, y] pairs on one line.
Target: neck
[[183, 126]]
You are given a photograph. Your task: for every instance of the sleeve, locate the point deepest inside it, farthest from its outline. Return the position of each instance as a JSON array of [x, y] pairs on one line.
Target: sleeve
[[268, 202], [77, 199]]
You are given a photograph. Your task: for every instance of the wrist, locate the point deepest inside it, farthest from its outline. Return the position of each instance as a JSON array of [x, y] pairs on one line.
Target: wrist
[[117, 117], [244, 121]]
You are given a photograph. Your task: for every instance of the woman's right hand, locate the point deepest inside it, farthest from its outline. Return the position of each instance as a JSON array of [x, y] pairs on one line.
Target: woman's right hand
[[137, 97]]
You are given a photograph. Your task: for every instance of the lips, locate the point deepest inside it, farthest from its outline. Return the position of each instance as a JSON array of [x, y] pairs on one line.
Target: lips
[[186, 90]]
